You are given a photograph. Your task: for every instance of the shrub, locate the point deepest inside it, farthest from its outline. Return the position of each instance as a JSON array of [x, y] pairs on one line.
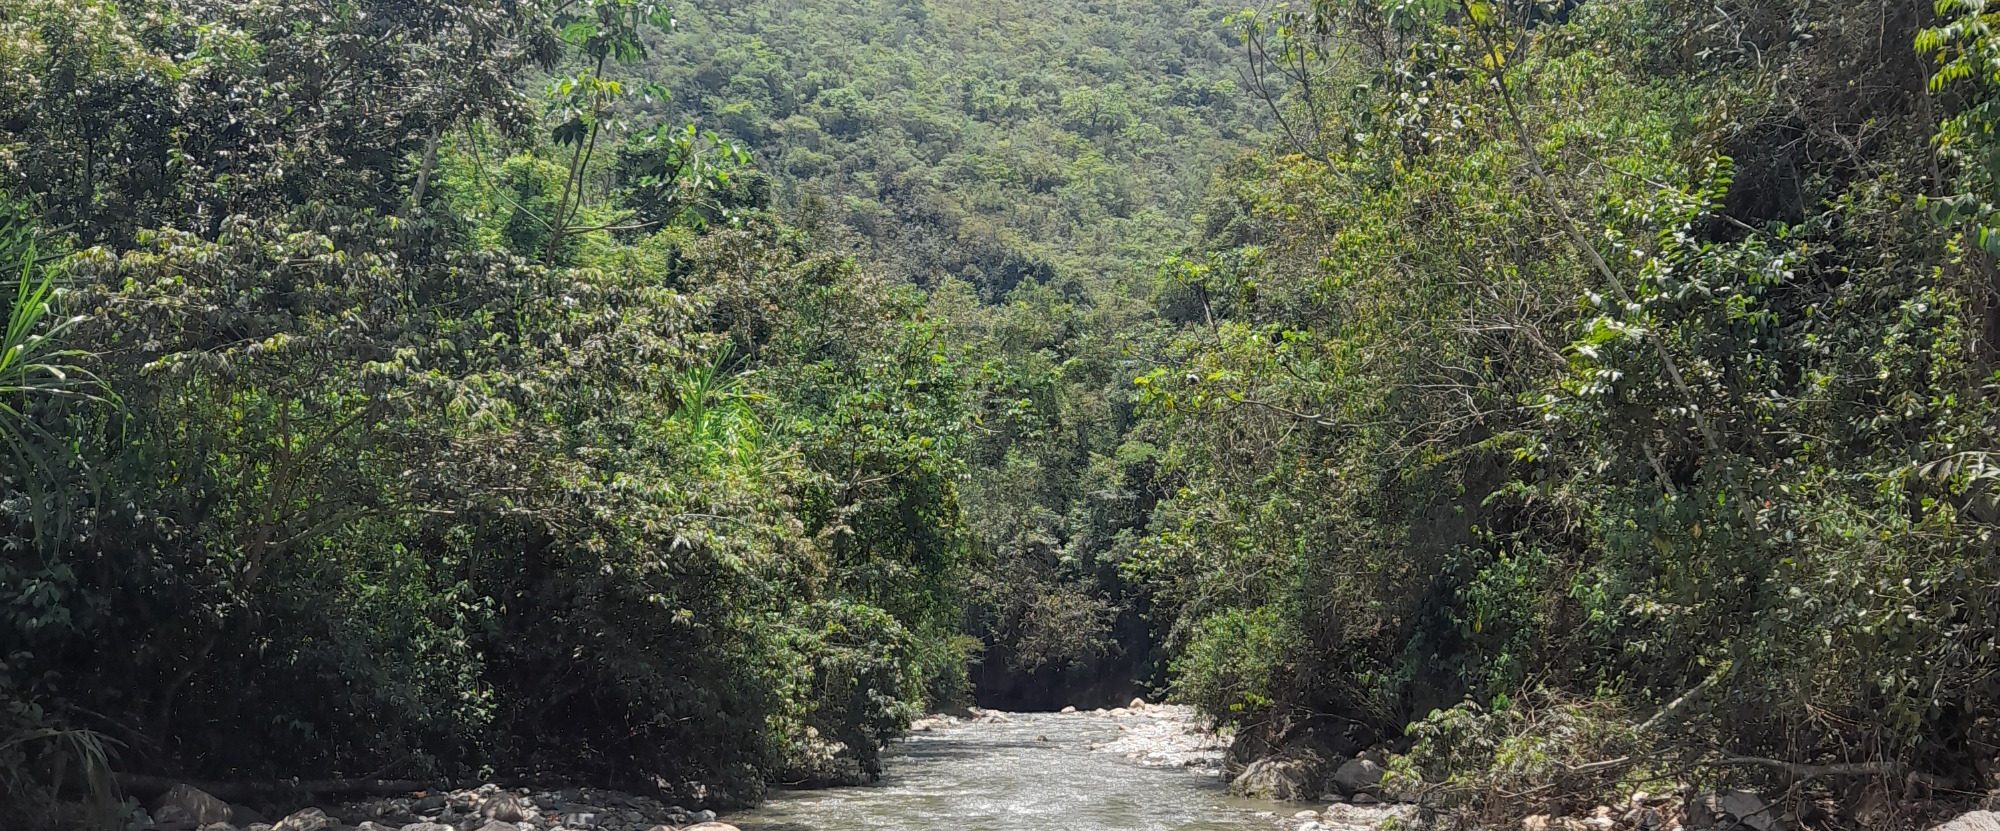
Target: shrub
[[1234, 660]]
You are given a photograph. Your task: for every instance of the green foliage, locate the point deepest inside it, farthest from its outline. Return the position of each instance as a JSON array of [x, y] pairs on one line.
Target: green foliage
[[1467, 756], [854, 669], [455, 440], [40, 756], [1233, 665], [993, 142], [1604, 364], [1965, 47], [32, 366], [1027, 163], [1544, 357], [1060, 496], [681, 178]]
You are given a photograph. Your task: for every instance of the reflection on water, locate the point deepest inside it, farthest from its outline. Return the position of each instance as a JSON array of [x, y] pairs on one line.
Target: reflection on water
[[1034, 773]]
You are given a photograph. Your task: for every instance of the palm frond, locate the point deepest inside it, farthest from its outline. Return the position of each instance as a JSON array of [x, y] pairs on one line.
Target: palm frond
[[61, 757]]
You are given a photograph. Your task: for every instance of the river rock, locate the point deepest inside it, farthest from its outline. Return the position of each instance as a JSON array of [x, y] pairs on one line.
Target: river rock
[[1357, 776], [169, 818], [1069, 711], [308, 819], [712, 826], [428, 826], [192, 803], [1731, 809], [1361, 816], [391, 813], [1647, 818], [1286, 778], [1974, 821], [505, 806], [1137, 704], [931, 723]]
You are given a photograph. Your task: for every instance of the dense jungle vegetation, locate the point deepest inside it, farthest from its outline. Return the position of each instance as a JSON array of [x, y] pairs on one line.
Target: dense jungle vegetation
[[1564, 394]]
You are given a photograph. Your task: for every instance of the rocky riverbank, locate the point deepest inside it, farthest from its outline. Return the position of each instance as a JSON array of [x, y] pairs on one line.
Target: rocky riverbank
[[1818, 799], [1139, 735], [486, 808]]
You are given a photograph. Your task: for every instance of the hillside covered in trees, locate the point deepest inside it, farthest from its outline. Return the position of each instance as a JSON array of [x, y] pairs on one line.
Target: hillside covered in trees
[[1557, 397]]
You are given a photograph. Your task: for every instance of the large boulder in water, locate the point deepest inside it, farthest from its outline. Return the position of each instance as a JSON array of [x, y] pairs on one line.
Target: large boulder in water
[[1293, 776]]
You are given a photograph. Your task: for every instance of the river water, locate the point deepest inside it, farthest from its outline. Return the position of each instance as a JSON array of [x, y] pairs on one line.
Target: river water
[[1030, 772]]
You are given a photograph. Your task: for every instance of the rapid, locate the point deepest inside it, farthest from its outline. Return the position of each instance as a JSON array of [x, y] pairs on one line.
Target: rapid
[[1149, 769]]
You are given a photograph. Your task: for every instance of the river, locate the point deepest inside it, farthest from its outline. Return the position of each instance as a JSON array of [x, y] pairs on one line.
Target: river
[[1032, 772]]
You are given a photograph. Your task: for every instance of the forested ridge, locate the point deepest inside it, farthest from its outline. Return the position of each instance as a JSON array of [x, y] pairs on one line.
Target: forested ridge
[[1528, 401]]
